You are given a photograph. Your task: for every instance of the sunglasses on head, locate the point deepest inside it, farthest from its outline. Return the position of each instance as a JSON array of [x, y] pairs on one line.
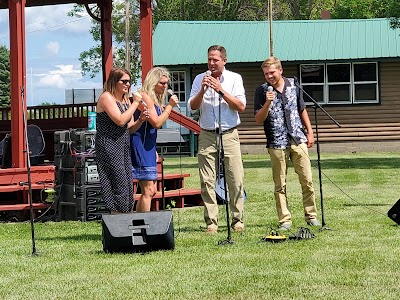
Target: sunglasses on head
[[125, 81]]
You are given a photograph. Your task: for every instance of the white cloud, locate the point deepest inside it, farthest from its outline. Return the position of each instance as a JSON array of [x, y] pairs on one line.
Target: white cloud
[[54, 18], [53, 47], [45, 19], [65, 77], [53, 81], [60, 77]]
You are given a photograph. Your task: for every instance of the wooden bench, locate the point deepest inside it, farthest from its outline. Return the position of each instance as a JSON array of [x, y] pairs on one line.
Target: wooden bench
[[25, 206], [182, 197]]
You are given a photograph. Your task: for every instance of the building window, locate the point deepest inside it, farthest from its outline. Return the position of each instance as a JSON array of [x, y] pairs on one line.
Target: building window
[[342, 83], [178, 84]]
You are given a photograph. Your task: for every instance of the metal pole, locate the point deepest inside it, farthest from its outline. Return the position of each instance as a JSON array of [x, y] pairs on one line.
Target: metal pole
[[127, 50], [271, 40]]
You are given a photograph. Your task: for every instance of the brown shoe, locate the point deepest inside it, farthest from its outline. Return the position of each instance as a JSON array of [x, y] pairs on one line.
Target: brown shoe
[[238, 227]]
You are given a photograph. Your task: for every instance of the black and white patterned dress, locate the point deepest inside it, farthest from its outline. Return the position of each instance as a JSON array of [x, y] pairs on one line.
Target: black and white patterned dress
[[114, 162]]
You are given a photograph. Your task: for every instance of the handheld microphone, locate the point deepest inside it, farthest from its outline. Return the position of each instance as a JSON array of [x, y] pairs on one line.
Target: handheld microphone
[[270, 88], [137, 94], [171, 93], [208, 73]]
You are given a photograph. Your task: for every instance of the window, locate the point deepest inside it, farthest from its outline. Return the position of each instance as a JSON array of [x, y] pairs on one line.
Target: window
[[342, 83], [178, 84]]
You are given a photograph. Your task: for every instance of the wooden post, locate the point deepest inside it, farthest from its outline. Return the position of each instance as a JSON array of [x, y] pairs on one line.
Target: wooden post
[[146, 41], [18, 80], [106, 37]]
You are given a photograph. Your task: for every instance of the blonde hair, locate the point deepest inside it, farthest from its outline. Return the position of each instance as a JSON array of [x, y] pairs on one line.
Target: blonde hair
[[112, 80], [153, 77], [272, 61]]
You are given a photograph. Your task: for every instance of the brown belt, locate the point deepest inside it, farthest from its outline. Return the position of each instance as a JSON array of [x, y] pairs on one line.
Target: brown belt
[[217, 130]]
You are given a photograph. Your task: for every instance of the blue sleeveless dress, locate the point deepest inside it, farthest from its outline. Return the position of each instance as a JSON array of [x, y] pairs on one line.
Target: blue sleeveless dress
[[143, 150]]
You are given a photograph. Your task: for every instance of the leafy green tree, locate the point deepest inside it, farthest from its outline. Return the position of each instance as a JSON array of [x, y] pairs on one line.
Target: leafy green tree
[[360, 9], [47, 104], [227, 10], [4, 76], [394, 14], [91, 59]]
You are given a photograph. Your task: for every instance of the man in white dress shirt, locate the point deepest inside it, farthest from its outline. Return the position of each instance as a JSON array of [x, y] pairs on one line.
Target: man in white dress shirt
[[210, 89]]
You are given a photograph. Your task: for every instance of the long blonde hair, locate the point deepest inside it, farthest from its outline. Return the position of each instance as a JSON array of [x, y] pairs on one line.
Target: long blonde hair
[[153, 77], [112, 80]]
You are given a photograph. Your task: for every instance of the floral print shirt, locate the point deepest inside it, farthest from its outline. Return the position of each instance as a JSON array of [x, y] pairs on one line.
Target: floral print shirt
[[283, 122]]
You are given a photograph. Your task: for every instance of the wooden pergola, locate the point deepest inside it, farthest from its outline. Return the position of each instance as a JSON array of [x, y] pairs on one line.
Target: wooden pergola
[[14, 179], [18, 56]]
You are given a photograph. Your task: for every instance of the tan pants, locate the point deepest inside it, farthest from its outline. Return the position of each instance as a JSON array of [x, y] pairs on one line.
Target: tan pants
[[298, 154], [208, 160]]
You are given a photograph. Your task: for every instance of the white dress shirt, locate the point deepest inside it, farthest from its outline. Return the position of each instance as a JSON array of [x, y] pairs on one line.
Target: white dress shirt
[[231, 83]]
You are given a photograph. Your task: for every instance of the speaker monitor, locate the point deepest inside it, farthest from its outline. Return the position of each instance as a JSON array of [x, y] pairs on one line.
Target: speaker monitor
[[394, 212], [138, 232]]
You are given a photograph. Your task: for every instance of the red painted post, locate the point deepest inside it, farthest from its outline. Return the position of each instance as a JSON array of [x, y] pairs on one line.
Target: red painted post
[[18, 80], [146, 39], [106, 37]]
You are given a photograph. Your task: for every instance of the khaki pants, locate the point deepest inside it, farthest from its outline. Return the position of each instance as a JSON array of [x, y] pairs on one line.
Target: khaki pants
[[298, 154], [208, 160]]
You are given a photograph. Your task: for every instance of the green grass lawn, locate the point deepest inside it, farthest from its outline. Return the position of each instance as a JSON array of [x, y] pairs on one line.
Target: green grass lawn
[[357, 259]]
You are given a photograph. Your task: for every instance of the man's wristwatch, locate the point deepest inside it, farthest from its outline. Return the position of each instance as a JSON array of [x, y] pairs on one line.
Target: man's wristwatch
[[221, 93]]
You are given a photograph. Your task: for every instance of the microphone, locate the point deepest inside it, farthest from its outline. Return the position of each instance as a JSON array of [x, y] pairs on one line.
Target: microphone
[[137, 94], [171, 93], [208, 73], [270, 88]]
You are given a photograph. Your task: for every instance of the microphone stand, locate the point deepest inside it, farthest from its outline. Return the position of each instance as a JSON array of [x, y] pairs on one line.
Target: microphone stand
[[221, 167], [28, 166], [162, 183], [315, 106]]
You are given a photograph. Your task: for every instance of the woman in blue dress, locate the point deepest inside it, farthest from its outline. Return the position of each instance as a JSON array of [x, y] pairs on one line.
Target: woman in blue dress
[[143, 140]]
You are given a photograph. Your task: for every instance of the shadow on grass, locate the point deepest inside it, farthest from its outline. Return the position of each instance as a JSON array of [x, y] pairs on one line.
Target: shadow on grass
[[360, 163], [342, 163], [367, 204], [80, 237], [326, 163]]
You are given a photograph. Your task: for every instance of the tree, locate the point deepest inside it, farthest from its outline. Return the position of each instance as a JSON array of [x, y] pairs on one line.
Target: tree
[[360, 9], [227, 10], [4, 77], [91, 59], [394, 14]]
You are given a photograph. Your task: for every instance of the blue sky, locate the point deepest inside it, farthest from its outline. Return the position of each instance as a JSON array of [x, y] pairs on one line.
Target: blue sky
[[53, 44]]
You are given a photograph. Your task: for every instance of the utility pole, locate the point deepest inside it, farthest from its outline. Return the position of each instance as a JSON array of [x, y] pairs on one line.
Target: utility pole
[[271, 40], [127, 50]]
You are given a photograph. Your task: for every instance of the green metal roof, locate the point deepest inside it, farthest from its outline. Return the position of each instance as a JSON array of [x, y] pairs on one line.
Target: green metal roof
[[186, 42]]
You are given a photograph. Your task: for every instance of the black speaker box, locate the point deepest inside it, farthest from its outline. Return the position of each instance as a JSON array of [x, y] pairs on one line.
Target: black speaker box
[[394, 212], [138, 232]]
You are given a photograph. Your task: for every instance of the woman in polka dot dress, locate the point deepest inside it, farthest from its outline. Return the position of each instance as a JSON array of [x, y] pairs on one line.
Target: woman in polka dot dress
[[143, 141], [114, 118]]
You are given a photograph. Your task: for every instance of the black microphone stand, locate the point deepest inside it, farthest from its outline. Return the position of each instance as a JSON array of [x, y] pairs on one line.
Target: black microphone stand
[[221, 169], [162, 183], [28, 161], [315, 106]]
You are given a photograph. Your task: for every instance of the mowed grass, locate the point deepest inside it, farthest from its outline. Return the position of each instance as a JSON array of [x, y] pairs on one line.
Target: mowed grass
[[357, 258]]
